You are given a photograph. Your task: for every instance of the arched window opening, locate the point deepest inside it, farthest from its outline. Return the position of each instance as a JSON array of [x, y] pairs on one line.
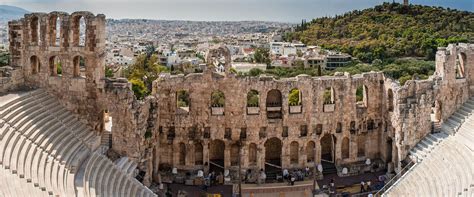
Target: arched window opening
[[252, 154], [389, 150], [353, 128], [338, 127], [253, 100], [182, 154], [370, 125], [361, 96], [217, 103], [182, 100], [294, 152], [345, 148], [438, 109], [198, 154], [79, 35], [55, 31], [329, 100], [234, 155], [294, 98], [294, 101], [329, 96], [273, 103], [35, 31], [390, 100], [35, 65], [361, 145], [79, 67], [107, 122], [217, 99], [55, 66], [58, 32], [310, 151], [460, 65]]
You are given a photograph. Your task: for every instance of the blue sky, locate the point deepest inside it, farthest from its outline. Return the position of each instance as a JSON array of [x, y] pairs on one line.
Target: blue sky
[[268, 10]]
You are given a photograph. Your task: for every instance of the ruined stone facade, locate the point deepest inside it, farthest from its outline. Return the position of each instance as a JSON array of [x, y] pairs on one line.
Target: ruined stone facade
[[34, 48], [195, 121]]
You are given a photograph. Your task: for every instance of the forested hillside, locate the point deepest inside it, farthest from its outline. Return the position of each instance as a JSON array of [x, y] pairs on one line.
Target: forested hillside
[[389, 30]]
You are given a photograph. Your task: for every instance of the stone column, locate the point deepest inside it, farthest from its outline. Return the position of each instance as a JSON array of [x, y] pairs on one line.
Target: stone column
[[285, 159], [190, 154], [205, 154], [337, 151], [244, 155], [317, 156], [261, 156], [175, 154], [156, 159], [303, 157], [149, 168], [227, 155]]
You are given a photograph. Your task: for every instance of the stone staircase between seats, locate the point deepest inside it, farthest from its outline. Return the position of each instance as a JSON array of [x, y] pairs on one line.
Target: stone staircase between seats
[[445, 160]]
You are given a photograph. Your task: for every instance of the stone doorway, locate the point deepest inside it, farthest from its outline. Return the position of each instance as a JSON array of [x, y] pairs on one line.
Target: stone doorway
[[389, 150], [328, 142], [273, 149], [216, 156]]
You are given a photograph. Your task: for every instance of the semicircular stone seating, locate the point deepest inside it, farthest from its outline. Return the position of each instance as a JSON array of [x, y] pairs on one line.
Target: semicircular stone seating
[[46, 151], [445, 161]]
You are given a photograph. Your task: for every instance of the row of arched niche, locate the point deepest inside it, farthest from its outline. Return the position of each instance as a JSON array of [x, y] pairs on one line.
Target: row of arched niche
[[274, 98], [56, 32], [273, 151], [56, 66]]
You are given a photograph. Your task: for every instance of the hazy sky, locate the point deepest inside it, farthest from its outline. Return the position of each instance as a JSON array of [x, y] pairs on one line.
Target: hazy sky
[[268, 10]]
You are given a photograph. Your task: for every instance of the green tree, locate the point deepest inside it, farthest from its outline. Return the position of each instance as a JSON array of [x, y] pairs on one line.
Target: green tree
[[262, 56], [360, 94], [217, 99], [255, 72], [145, 70], [139, 88], [59, 68], [252, 99], [390, 30], [294, 97], [4, 59], [109, 72], [183, 98]]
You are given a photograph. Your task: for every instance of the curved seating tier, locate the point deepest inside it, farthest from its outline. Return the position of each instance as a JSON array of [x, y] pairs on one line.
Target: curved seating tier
[[43, 146], [103, 178], [445, 160]]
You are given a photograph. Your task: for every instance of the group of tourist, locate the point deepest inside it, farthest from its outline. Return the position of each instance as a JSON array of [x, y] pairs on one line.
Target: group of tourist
[[365, 186], [296, 175]]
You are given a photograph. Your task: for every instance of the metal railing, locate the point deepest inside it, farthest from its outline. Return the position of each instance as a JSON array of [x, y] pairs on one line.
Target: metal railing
[[273, 165], [215, 164], [397, 177], [358, 194]]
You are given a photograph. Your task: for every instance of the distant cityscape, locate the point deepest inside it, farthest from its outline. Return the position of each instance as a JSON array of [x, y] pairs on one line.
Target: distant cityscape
[[179, 43]]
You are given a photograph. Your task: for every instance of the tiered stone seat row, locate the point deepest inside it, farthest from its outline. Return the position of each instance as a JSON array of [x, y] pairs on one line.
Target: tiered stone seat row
[[45, 150], [42, 143], [126, 165], [103, 178], [446, 162], [11, 185]]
